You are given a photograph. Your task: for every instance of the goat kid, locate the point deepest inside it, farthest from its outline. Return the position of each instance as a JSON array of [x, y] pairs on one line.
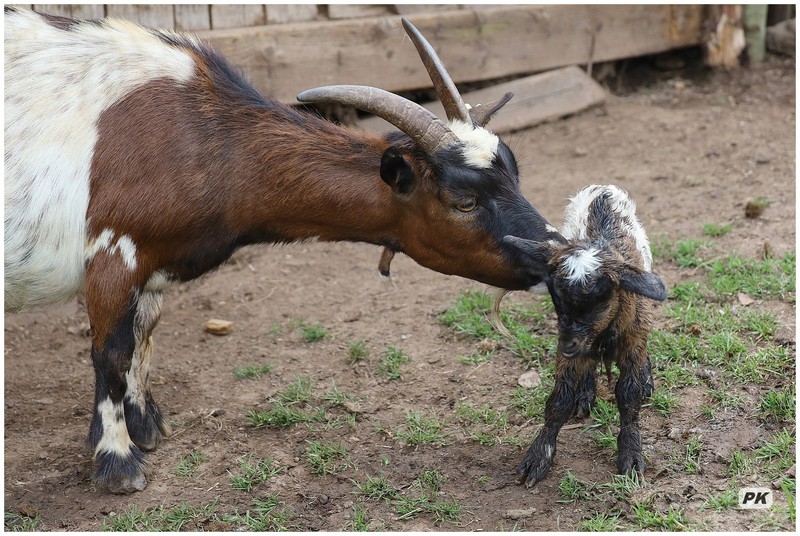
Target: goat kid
[[137, 158], [603, 292]]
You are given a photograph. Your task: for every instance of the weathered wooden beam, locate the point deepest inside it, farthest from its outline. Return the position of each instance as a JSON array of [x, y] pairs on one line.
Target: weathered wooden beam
[[475, 44], [537, 98]]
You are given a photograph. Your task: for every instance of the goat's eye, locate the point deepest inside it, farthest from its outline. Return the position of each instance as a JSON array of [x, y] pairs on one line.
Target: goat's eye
[[467, 204]]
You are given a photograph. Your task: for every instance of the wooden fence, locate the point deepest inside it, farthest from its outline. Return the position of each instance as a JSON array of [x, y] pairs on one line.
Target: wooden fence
[[286, 48]]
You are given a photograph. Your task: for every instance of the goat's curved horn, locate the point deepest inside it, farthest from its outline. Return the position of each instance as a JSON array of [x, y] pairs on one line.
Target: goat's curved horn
[[482, 113], [454, 105], [427, 130]]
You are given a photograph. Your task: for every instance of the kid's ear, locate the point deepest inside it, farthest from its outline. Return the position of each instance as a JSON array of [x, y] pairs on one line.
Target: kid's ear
[[535, 255], [643, 283], [396, 171]]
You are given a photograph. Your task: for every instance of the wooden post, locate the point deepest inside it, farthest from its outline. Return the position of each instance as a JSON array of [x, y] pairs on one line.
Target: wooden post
[[755, 25]]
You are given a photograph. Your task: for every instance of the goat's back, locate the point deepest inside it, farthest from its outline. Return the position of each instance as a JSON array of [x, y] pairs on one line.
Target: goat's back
[[606, 211]]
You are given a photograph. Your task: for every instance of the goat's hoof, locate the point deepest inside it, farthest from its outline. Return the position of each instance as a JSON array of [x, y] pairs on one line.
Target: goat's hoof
[[583, 408], [121, 474], [533, 468], [631, 462]]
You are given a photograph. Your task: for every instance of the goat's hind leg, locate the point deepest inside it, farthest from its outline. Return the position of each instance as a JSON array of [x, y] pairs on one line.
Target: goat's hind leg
[[146, 425], [634, 385], [586, 392]]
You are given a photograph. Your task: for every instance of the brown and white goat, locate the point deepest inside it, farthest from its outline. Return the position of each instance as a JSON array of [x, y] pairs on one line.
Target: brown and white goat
[[136, 158], [603, 292]]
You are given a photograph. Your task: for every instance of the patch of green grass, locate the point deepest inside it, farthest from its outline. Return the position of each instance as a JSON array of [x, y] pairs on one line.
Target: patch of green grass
[[410, 507], [357, 351], [313, 333], [327, 457], [665, 346], [741, 464], [20, 523], [420, 430], [602, 522], [251, 371], [722, 500], [684, 252], [281, 415], [296, 392], [761, 365], [161, 518], [476, 359], [766, 278], [693, 449], [622, 486], [482, 424], [377, 488], [664, 402], [726, 397], [337, 398], [762, 325], [390, 363], [716, 230], [189, 463], [359, 520], [469, 316], [573, 489], [267, 514], [646, 517], [604, 414], [253, 472], [778, 406], [605, 439], [777, 452], [675, 374]]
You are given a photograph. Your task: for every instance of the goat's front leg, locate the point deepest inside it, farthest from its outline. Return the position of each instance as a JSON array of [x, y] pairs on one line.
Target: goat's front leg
[[111, 300], [634, 385], [558, 409], [146, 424]]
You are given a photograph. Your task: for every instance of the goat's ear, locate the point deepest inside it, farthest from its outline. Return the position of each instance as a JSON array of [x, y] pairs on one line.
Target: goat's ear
[[396, 171], [643, 283], [535, 255]]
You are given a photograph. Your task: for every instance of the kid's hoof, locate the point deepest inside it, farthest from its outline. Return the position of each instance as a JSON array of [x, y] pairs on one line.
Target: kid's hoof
[[536, 464], [630, 462]]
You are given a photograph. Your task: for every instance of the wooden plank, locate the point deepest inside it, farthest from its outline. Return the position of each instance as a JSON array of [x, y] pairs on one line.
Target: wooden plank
[[283, 13], [158, 16], [537, 98], [236, 16], [284, 59], [192, 17], [88, 11], [62, 10], [412, 9], [353, 11]]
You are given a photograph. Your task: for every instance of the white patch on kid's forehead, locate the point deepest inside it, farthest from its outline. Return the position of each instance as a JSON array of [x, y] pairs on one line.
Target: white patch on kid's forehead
[[480, 145], [578, 266]]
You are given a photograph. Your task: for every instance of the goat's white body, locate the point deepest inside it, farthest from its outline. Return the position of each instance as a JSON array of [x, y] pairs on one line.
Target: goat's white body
[[576, 223], [57, 85]]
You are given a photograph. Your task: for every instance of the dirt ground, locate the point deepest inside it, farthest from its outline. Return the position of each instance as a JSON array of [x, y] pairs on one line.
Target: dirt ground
[[690, 149]]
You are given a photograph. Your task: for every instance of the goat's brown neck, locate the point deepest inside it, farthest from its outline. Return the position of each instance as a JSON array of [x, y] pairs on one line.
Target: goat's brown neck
[[314, 180]]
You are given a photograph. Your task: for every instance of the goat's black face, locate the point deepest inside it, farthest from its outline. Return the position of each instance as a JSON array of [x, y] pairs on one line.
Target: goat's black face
[[584, 310], [462, 212]]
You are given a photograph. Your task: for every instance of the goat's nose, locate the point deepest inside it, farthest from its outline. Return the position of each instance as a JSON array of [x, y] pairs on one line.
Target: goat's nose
[[569, 346]]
